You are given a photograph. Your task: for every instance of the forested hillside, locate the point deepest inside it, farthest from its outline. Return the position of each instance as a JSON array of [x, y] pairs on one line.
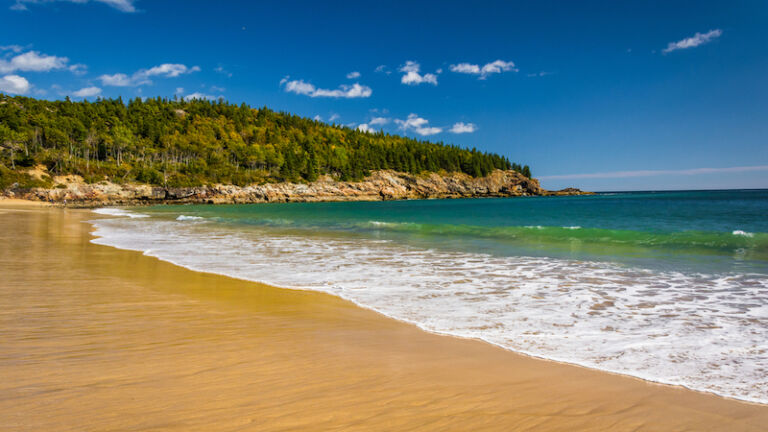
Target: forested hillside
[[189, 143]]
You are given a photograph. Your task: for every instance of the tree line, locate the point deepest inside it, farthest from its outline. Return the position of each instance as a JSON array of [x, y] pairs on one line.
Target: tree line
[[173, 142]]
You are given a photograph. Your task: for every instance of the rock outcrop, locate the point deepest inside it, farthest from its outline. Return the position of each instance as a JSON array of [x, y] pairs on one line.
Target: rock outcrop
[[380, 185]]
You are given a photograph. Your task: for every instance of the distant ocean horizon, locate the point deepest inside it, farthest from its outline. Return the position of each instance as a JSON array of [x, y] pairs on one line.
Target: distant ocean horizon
[[667, 286], [680, 190]]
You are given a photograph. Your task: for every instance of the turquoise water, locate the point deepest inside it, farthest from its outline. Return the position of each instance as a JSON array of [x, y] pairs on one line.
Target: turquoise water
[[666, 286], [692, 230]]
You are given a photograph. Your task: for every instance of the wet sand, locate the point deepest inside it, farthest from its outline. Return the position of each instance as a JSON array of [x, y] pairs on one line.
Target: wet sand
[[94, 338]]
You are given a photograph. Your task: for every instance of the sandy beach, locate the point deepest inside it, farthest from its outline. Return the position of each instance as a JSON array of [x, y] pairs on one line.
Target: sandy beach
[[95, 338]]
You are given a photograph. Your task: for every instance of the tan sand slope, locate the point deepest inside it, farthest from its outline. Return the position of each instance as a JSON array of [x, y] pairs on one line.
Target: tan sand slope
[[94, 339]]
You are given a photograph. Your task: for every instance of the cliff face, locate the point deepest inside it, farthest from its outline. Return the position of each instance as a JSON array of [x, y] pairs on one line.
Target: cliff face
[[380, 185]]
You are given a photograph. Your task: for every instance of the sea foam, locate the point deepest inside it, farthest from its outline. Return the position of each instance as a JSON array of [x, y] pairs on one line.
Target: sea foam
[[119, 212], [743, 233], [189, 218], [703, 331]]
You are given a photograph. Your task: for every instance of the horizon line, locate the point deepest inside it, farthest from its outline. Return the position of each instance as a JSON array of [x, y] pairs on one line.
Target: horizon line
[[649, 173]]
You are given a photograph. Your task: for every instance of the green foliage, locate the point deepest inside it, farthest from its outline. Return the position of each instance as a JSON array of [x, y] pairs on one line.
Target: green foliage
[[10, 178], [189, 143]]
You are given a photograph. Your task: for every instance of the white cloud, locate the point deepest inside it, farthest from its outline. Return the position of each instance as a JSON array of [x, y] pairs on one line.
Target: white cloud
[[116, 80], [460, 128], [298, 87], [412, 74], [317, 118], [353, 75], [418, 125], [497, 66], [87, 92], [169, 70], [651, 173], [33, 61], [694, 41], [218, 89], [141, 77], [538, 74], [354, 91], [179, 90], [121, 5], [382, 69], [14, 84], [378, 121], [365, 128], [334, 117], [12, 48], [344, 91], [201, 96], [78, 69], [494, 67], [466, 68]]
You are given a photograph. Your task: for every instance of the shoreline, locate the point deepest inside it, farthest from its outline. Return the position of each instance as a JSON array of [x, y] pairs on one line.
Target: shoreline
[[380, 373], [420, 327]]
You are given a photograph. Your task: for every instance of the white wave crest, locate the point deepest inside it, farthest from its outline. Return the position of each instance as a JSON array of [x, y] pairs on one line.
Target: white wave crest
[[189, 218], [742, 233], [119, 212]]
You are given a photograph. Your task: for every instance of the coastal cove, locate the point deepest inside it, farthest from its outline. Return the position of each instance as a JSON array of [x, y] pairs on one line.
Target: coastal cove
[[361, 216], [205, 352]]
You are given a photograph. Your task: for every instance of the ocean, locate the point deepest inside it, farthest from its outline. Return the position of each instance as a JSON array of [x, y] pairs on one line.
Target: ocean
[[670, 287]]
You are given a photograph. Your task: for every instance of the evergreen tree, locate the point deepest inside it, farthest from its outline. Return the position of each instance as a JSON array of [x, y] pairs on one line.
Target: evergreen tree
[[173, 142]]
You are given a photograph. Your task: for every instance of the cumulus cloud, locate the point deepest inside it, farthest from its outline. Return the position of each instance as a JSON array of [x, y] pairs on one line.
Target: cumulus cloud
[[693, 41], [12, 48], [301, 87], [494, 67], [412, 74], [33, 61], [116, 80], [353, 75], [200, 96], [169, 70], [121, 5], [382, 69], [379, 121], [141, 77], [418, 125], [461, 127], [78, 69], [14, 84], [466, 68], [365, 128], [87, 92]]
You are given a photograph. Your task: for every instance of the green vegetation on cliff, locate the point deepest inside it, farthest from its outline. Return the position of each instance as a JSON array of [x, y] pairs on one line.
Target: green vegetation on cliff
[[188, 143]]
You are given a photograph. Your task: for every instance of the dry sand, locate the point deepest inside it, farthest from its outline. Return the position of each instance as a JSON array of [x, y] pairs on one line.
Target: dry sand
[[95, 339]]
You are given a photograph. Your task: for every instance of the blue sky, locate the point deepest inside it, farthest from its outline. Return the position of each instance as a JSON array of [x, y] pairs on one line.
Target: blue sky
[[599, 95]]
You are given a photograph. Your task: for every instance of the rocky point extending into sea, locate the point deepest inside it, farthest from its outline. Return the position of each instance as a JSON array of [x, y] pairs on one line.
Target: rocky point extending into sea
[[380, 185]]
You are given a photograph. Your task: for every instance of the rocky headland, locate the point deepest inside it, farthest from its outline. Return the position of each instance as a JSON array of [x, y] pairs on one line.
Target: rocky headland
[[380, 185]]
